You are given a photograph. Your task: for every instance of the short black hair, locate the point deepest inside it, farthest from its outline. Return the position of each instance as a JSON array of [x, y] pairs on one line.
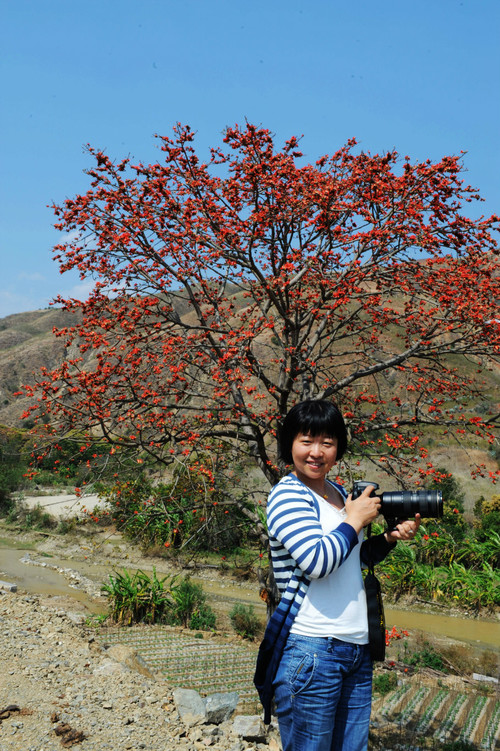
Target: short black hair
[[312, 417]]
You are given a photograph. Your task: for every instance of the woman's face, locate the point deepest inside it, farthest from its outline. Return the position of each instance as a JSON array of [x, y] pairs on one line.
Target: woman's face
[[313, 457]]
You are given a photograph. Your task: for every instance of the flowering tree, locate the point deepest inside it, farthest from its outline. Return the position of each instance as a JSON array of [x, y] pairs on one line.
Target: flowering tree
[[226, 291]]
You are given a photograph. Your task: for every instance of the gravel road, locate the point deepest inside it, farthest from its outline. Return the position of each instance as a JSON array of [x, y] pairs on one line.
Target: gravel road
[[59, 688]]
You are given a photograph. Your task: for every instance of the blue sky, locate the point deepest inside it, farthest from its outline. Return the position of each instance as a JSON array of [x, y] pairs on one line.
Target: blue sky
[[420, 76]]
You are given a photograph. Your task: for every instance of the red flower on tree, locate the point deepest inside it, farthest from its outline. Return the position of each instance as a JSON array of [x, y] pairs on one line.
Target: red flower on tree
[[226, 290]]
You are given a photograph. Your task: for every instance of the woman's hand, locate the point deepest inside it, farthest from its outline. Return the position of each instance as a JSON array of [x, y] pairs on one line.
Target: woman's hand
[[404, 530], [363, 510]]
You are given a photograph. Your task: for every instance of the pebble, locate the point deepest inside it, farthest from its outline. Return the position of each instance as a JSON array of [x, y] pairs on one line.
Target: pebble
[[52, 669]]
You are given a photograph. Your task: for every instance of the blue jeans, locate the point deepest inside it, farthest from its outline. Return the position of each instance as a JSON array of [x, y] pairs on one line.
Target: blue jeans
[[323, 693]]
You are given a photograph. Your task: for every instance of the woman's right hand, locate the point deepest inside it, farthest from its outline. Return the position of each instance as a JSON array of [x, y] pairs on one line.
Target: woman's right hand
[[363, 510]]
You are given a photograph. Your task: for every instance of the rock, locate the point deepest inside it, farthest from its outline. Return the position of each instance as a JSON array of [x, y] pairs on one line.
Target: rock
[[250, 728], [484, 678], [130, 659], [274, 744], [221, 707], [110, 667], [190, 706], [77, 618], [8, 586]]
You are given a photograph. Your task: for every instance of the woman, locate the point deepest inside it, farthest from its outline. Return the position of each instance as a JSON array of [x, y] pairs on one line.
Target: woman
[[319, 666]]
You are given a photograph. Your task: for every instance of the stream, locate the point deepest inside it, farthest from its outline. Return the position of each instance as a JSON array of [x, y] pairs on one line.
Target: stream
[[480, 632]]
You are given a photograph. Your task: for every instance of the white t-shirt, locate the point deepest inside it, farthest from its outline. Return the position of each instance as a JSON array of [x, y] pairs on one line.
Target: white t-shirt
[[335, 605]]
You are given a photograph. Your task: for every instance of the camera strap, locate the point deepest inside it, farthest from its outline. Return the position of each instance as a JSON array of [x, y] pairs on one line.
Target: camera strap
[[375, 610]]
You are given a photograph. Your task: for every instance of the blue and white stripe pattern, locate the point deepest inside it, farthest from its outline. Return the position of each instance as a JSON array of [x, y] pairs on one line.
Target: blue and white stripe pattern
[[300, 552], [296, 539]]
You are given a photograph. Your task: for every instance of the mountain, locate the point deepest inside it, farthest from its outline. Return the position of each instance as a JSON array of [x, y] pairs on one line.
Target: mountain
[[27, 343]]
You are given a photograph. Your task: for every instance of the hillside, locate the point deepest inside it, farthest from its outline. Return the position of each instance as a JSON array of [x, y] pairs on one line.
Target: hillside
[[27, 343]]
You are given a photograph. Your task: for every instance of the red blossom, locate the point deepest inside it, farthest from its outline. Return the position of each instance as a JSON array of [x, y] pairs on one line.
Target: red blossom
[[226, 290]]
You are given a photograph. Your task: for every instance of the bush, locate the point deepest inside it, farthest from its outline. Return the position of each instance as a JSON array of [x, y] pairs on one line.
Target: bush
[[384, 682], [244, 620], [137, 597], [140, 598], [190, 607], [186, 512], [31, 518], [203, 619], [12, 466], [427, 657]]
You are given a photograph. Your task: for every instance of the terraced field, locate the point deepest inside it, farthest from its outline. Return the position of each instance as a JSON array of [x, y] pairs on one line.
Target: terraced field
[[442, 713], [209, 665], [438, 710]]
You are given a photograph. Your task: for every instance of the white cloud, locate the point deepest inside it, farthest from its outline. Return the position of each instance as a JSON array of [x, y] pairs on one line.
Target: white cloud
[[79, 291], [14, 302], [34, 277]]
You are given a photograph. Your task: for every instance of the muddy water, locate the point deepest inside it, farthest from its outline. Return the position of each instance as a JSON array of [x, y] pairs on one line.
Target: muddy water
[[478, 631], [39, 579], [481, 632]]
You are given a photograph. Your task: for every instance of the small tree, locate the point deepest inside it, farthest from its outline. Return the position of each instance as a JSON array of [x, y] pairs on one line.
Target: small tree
[[12, 466], [227, 290]]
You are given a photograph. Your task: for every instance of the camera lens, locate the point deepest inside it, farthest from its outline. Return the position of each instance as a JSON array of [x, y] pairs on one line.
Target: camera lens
[[404, 504]]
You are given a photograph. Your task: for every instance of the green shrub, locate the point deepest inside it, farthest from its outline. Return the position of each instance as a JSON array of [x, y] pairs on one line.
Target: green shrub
[[384, 682], [137, 597], [12, 466], [189, 511], [66, 526], [244, 621], [427, 657], [203, 619], [31, 518], [189, 606], [140, 598]]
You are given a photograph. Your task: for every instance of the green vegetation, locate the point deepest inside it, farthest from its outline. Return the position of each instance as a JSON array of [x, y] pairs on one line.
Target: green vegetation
[[140, 598], [451, 560], [34, 518], [427, 657], [384, 682], [245, 622], [137, 598], [12, 466], [190, 608], [181, 513]]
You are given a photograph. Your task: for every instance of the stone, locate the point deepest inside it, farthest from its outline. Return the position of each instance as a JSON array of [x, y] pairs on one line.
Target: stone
[[8, 586], [190, 706], [484, 678], [221, 707], [110, 667], [130, 659], [250, 728]]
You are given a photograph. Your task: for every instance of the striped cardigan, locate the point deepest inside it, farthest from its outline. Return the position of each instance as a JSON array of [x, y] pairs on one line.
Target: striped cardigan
[[300, 551]]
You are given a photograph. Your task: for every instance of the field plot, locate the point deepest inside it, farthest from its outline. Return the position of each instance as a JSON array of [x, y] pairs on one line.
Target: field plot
[[437, 710], [442, 713], [207, 665]]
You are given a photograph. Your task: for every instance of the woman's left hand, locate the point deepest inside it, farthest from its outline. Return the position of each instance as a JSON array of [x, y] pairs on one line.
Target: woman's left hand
[[404, 530]]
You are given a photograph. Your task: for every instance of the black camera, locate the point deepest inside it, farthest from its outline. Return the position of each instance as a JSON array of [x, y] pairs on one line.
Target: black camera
[[398, 505]]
